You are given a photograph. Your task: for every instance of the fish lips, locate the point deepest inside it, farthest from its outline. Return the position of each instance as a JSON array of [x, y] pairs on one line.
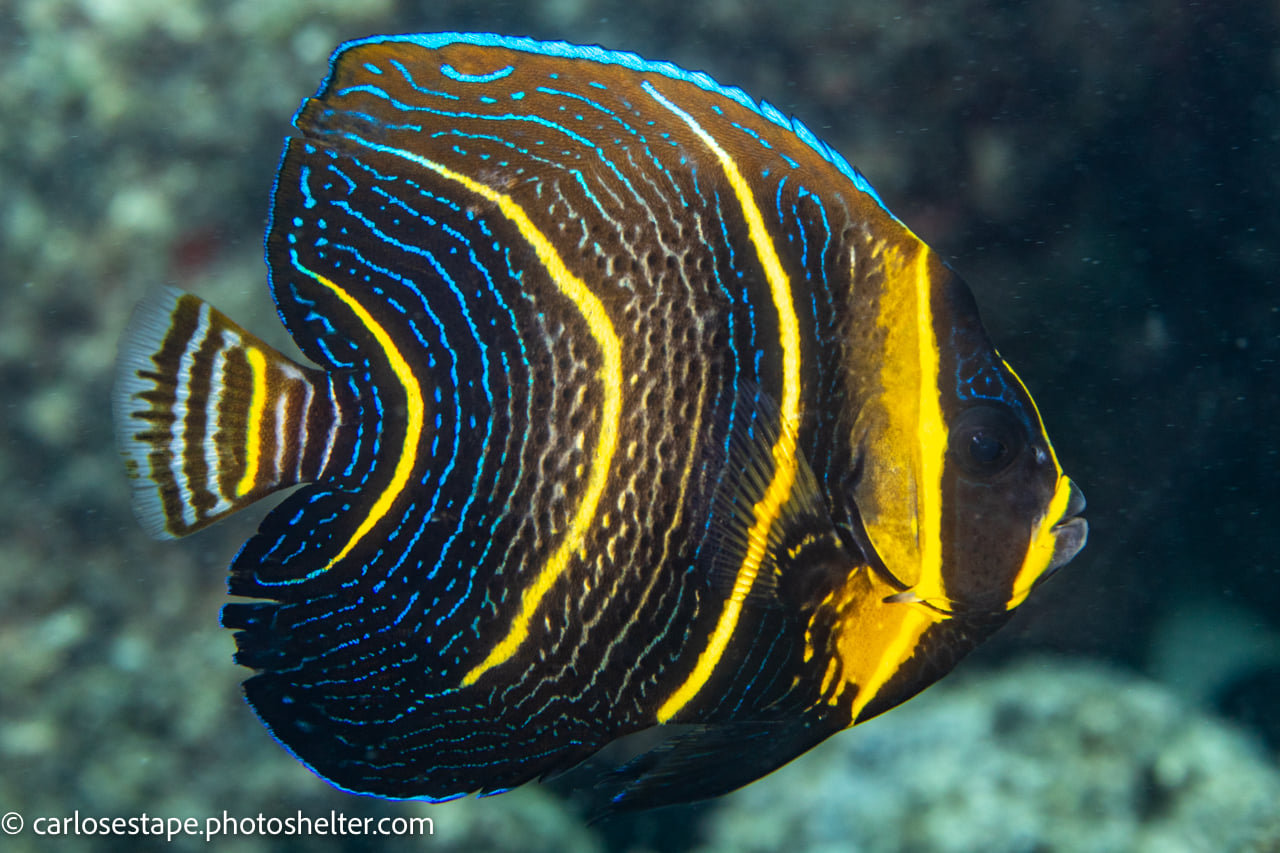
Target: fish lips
[[1069, 534]]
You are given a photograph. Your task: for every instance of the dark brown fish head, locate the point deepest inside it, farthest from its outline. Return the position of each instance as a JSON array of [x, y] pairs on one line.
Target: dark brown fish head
[[1009, 516], [955, 498], [961, 501]]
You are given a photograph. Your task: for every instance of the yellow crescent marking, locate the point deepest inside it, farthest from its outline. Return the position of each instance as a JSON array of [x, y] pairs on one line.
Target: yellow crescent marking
[[1043, 544], [766, 509], [610, 375], [413, 405], [257, 406], [1040, 551]]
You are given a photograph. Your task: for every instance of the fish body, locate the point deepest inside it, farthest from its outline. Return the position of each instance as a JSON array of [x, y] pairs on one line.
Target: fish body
[[633, 406]]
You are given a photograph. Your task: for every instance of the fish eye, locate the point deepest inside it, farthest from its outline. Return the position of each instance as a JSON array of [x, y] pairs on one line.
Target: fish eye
[[985, 440]]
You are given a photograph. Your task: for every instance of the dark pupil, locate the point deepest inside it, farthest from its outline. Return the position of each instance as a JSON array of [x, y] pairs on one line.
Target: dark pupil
[[985, 448]]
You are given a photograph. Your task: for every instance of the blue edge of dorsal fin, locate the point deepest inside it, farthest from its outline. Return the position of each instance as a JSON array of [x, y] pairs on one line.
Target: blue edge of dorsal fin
[[595, 53]]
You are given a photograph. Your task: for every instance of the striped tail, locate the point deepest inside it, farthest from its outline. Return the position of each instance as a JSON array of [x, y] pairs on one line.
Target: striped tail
[[208, 418]]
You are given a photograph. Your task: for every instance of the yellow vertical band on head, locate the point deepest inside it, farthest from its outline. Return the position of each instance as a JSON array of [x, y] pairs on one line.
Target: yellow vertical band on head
[[932, 435], [765, 512], [414, 409], [253, 429]]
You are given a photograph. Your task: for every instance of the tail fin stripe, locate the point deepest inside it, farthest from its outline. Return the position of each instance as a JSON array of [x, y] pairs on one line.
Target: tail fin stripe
[[207, 441], [286, 414], [291, 424], [323, 409], [301, 428], [183, 417], [257, 407], [209, 418]]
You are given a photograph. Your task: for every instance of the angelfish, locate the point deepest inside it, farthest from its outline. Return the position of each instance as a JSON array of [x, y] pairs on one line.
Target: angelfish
[[629, 404]]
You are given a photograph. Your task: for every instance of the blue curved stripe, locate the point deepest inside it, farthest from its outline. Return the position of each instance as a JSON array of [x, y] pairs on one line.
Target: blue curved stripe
[[454, 74], [625, 59]]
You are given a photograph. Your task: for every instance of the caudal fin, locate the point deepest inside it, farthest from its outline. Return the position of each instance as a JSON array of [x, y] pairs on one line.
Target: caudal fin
[[209, 418]]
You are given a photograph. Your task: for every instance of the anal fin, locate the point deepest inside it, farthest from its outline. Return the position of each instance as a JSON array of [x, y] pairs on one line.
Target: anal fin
[[707, 761]]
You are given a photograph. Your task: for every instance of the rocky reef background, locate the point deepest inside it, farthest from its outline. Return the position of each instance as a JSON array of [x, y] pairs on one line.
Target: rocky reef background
[[1104, 175]]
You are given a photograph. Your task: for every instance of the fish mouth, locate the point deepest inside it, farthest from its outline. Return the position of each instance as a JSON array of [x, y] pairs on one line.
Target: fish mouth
[[1070, 533]]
